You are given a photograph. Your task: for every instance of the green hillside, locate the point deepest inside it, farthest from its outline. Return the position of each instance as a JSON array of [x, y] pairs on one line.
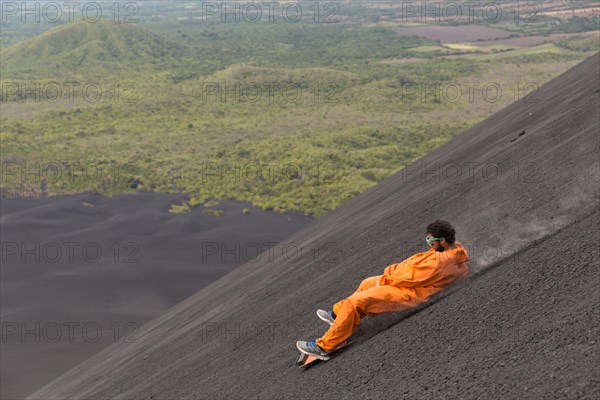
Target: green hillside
[[349, 127], [96, 49]]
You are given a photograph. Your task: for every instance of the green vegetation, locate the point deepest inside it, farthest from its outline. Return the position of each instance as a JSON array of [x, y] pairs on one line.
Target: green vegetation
[[213, 212], [90, 50], [211, 203], [182, 208], [580, 43], [353, 113]]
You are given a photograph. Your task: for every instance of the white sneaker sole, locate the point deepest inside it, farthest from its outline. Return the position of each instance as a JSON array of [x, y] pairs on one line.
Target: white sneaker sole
[[324, 319]]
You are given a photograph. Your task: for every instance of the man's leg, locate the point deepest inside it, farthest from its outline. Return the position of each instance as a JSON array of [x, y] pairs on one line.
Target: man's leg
[[368, 283], [349, 312]]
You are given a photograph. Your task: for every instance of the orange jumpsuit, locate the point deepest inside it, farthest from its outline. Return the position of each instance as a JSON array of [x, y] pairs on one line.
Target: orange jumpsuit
[[402, 285]]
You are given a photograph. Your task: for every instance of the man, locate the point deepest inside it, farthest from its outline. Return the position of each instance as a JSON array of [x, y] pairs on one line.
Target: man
[[403, 285]]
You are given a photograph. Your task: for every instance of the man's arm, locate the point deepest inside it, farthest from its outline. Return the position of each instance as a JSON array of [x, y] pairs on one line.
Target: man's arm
[[389, 270], [410, 275], [463, 267]]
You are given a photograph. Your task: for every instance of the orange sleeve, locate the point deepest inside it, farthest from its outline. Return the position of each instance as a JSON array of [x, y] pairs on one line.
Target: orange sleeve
[[463, 267], [410, 275], [389, 270], [427, 269]]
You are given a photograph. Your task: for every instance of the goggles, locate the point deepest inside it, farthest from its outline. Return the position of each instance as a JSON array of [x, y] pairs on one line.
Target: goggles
[[431, 239]]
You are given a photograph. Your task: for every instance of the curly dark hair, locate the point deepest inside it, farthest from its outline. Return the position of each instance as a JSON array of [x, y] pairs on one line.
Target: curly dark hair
[[441, 228]]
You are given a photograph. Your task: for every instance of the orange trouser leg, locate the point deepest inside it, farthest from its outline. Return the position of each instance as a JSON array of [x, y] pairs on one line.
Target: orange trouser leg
[[368, 299], [367, 283]]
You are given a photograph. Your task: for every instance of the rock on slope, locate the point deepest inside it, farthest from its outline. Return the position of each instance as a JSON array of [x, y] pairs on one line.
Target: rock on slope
[[525, 324]]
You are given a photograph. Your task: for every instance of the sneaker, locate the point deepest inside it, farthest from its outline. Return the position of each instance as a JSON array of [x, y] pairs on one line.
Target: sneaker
[[326, 316], [312, 349]]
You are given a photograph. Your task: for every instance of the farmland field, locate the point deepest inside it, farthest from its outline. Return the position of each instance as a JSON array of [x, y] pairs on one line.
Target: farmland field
[[466, 33]]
